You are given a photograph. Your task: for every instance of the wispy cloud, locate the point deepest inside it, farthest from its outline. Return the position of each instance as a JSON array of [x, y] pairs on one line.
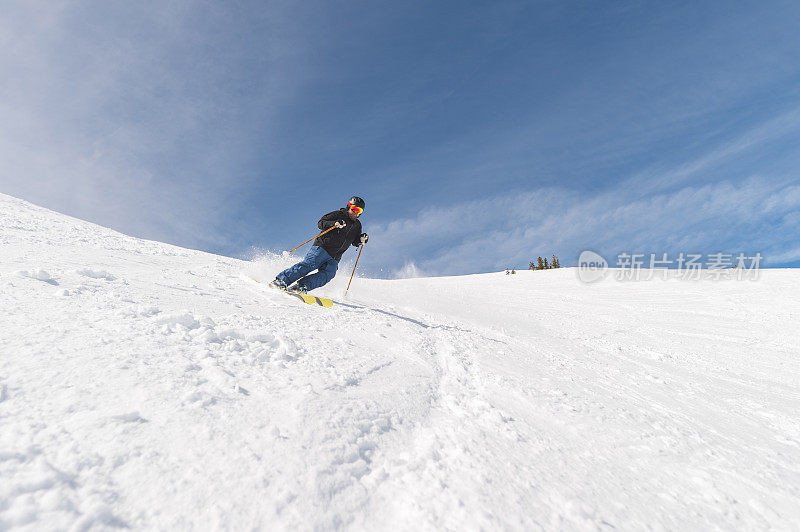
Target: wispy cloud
[[729, 152], [519, 130], [691, 207], [511, 230], [121, 113]]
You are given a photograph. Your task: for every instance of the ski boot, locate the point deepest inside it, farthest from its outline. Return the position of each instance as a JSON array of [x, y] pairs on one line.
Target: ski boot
[[277, 283], [298, 288]]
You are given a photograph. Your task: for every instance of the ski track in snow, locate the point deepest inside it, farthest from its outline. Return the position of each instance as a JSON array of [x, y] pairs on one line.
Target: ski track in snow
[[148, 386]]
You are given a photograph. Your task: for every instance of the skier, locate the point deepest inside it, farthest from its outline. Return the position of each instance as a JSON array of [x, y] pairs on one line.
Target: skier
[[326, 251]]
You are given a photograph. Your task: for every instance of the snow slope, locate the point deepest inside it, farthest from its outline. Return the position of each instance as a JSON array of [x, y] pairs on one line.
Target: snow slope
[[148, 386]]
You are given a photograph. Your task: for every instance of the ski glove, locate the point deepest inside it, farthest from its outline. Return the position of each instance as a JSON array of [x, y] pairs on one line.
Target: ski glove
[[364, 238], [339, 224]]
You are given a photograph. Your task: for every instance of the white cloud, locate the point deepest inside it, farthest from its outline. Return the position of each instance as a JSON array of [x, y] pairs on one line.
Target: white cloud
[[791, 255], [660, 179], [511, 230], [120, 113], [653, 211]]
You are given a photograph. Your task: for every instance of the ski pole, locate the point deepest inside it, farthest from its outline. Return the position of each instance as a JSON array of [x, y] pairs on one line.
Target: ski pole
[[360, 248], [312, 238]]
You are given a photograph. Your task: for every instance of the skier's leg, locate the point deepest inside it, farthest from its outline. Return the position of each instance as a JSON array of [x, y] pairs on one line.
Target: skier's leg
[[326, 272], [311, 261]]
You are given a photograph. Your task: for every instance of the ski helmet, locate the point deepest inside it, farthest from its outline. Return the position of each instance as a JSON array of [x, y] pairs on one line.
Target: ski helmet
[[356, 201]]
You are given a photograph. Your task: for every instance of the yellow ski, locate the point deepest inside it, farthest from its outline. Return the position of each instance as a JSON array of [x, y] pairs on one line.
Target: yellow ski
[[306, 298], [321, 301]]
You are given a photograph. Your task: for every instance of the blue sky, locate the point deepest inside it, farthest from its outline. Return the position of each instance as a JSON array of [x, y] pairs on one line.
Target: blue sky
[[481, 134]]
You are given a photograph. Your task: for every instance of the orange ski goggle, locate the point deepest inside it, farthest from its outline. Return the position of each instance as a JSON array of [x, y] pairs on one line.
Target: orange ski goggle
[[354, 208]]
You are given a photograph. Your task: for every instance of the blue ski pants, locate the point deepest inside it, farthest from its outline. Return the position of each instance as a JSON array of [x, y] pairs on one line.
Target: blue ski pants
[[316, 259]]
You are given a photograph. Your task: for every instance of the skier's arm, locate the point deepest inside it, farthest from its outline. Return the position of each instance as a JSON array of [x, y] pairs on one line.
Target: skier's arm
[[329, 220], [360, 239]]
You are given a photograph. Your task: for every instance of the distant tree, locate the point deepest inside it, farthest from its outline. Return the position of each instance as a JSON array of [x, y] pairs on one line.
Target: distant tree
[[544, 264]]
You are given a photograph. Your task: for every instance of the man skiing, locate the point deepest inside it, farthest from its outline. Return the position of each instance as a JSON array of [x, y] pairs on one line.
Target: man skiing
[[327, 249]]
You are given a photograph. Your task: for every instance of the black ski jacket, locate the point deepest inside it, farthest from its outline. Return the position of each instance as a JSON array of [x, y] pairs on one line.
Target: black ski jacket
[[337, 241]]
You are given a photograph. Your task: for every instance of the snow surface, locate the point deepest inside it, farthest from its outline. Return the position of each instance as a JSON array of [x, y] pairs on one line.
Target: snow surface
[[148, 386]]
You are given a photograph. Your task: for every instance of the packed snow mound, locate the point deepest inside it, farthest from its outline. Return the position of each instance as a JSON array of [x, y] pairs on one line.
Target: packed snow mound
[[148, 386]]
